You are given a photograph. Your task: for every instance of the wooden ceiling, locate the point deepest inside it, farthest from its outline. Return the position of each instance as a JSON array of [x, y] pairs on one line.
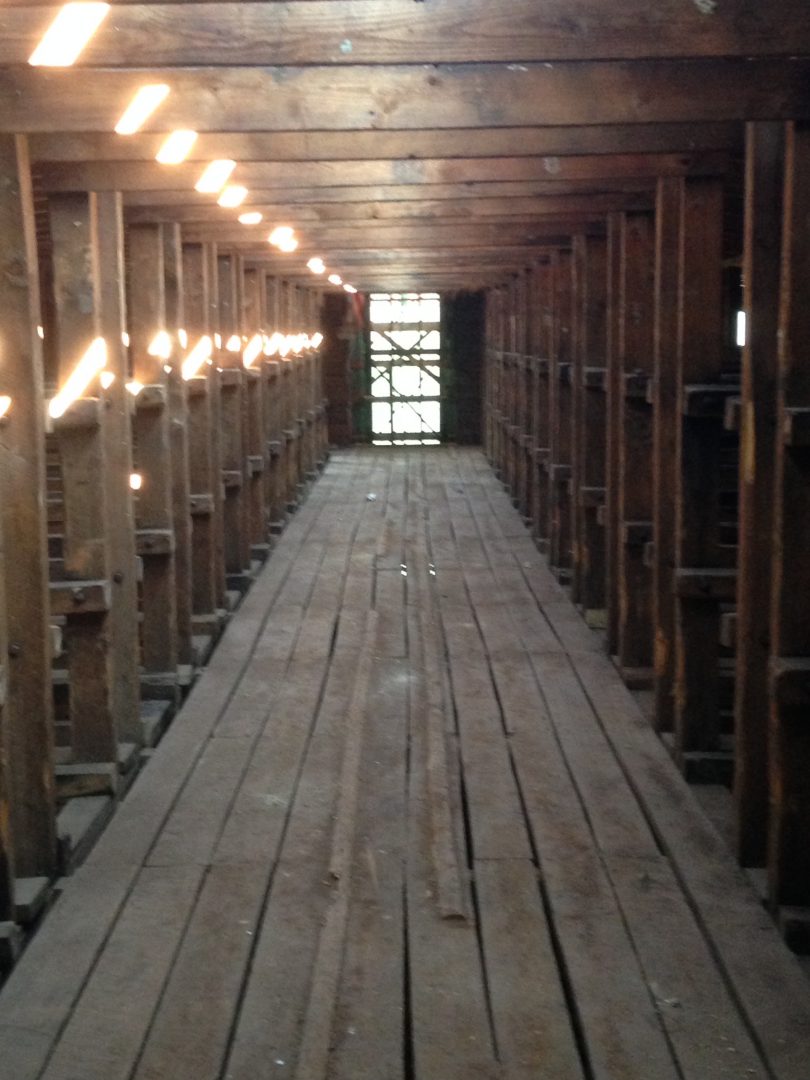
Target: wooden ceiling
[[438, 144]]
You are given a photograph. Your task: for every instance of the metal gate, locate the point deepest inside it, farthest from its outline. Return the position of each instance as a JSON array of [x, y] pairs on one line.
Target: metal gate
[[406, 376]]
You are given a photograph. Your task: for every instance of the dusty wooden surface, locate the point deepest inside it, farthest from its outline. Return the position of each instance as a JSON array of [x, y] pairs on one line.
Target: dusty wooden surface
[[409, 825]]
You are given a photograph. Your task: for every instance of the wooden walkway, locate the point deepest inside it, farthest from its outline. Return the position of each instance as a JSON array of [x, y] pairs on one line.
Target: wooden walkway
[[409, 826]]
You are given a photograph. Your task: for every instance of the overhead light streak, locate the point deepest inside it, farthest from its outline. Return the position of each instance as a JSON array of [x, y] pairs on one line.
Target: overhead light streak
[[215, 176], [316, 265], [176, 147], [233, 344], [199, 355], [335, 279], [106, 378], [349, 288], [135, 481], [5, 405], [252, 217], [63, 41], [93, 360], [252, 350], [143, 104], [233, 195], [160, 345]]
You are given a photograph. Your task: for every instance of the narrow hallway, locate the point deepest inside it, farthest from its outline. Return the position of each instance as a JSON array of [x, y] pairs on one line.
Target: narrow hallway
[[409, 825]]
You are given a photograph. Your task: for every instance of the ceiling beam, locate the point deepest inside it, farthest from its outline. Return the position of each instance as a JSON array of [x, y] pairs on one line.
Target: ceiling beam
[[365, 214], [398, 192], [150, 176], [445, 31], [413, 97], [379, 145]]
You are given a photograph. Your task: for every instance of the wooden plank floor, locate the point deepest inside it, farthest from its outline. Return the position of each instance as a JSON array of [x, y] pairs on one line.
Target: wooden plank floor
[[409, 826]]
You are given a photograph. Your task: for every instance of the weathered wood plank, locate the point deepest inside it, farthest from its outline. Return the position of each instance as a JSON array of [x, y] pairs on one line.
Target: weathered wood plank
[[28, 711], [408, 97], [761, 277], [452, 31]]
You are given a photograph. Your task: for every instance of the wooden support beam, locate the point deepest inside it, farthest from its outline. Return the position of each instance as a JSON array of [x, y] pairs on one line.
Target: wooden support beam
[[255, 443], [634, 419], [559, 466], [151, 176], [233, 411], [589, 421], [178, 441], [669, 211], [450, 31], [363, 214], [412, 97], [363, 145], [764, 186], [699, 441], [204, 457], [789, 746], [86, 484], [107, 230], [152, 430], [28, 711]]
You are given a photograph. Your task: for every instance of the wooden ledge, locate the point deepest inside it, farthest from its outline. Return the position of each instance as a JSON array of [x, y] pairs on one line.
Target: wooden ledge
[[79, 597], [201, 505], [595, 378], [82, 414], [705, 583], [231, 378], [197, 387], [732, 414], [796, 428], [637, 533], [232, 478], [790, 680], [154, 541], [637, 384], [591, 496], [707, 401], [153, 396]]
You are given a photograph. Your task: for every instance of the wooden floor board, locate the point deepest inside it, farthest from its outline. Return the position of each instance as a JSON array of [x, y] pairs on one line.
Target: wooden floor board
[[460, 854]]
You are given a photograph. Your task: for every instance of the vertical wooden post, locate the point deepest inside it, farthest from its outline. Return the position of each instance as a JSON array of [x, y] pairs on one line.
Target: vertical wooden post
[[178, 449], [634, 423], [764, 187], [666, 421], [204, 470], [543, 298], [151, 424], [698, 443], [272, 413], [589, 425], [615, 391], [86, 485], [789, 756], [6, 840], [255, 448], [233, 410], [107, 226], [560, 410], [28, 712]]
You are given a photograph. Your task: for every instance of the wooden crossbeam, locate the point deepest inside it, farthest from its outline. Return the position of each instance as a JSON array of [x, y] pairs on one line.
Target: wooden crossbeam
[[415, 145], [365, 214], [298, 195], [445, 31], [150, 176], [413, 97]]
